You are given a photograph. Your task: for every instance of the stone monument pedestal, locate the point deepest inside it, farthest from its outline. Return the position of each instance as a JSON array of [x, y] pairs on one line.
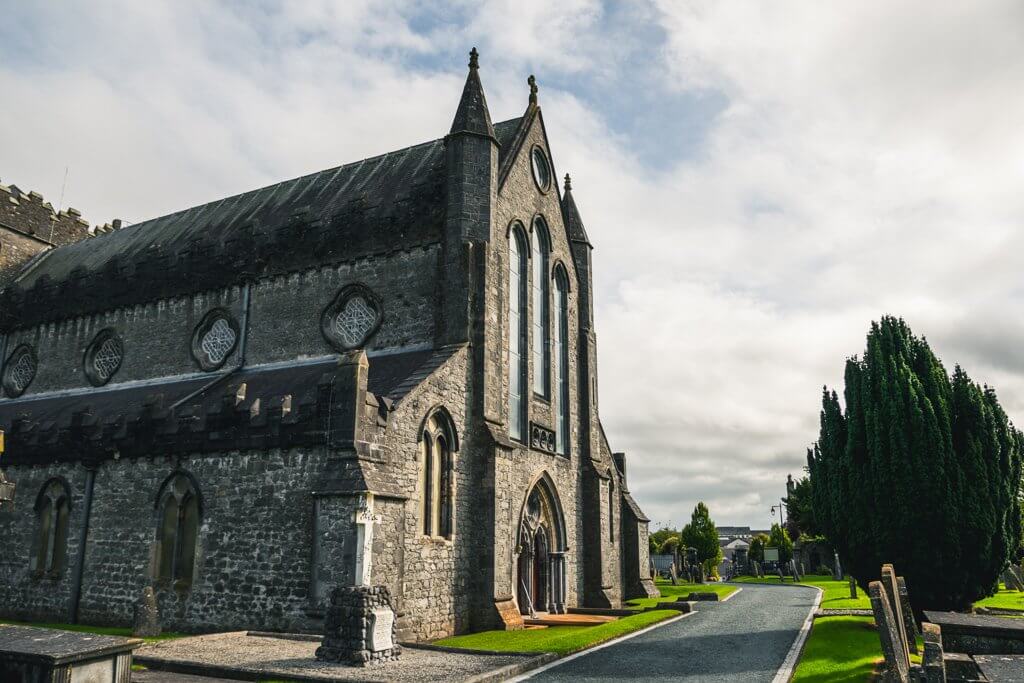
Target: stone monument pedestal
[[361, 628]]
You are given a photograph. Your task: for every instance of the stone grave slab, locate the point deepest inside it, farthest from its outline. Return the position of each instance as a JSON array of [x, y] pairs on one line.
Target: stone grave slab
[[1000, 668], [42, 654], [978, 634]]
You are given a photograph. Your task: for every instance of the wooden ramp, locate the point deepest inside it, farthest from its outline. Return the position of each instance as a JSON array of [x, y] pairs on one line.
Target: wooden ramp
[[569, 620]]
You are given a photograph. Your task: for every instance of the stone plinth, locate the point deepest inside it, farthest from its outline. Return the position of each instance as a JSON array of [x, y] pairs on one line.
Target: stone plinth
[[361, 628]]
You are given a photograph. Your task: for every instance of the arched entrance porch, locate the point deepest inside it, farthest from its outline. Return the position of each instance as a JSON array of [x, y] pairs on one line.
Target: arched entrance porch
[[540, 566]]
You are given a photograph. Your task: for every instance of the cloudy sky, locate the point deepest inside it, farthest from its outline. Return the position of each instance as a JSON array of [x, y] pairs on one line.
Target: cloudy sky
[[760, 179]]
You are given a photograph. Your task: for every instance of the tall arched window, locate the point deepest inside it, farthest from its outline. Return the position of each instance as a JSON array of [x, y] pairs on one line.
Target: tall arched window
[[178, 530], [561, 353], [437, 463], [611, 510], [517, 332], [53, 506], [541, 318]]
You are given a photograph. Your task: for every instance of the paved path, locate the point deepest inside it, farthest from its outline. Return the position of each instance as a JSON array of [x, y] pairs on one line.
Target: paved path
[[744, 639]]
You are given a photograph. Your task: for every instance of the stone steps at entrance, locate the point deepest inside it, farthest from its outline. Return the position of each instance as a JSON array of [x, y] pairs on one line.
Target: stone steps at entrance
[[568, 620]]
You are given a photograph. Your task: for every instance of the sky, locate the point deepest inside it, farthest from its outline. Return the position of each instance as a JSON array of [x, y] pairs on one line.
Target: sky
[[760, 180]]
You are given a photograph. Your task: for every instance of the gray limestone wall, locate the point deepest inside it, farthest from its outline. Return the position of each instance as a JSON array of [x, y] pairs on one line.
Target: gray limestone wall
[[252, 568], [15, 250]]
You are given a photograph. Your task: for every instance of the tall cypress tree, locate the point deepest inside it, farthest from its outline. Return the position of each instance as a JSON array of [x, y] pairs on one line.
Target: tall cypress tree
[[922, 471]]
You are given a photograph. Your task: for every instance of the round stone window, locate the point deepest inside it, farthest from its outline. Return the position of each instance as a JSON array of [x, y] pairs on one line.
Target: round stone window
[[352, 318], [541, 169], [103, 357], [214, 339], [19, 370]]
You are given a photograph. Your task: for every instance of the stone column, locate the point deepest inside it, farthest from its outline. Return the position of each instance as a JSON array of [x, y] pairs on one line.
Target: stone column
[[365, 521]]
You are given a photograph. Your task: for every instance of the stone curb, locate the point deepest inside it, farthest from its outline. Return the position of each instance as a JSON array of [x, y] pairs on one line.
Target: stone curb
[[788, 668], [736, 592], [843, 613]]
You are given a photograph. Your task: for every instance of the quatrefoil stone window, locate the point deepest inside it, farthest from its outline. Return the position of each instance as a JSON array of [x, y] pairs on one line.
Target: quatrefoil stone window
[[19, 371], [214, 339], [352, 318], [103, 357]]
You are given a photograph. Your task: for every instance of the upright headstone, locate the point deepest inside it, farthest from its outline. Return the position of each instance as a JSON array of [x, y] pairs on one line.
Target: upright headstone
[[892, 591], [909, 623], [897, 660], [361, 628], [672, 569], [796, 574], [837, 568], [1014, 576], [146, 621], [803, 571], [853, 588], [931, 661]]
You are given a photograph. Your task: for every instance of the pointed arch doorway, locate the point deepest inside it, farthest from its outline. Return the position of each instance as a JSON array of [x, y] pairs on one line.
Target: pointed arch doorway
[[540, 565]]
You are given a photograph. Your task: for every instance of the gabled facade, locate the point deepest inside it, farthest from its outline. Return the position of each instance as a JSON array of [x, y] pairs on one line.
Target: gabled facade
[[382, 373]]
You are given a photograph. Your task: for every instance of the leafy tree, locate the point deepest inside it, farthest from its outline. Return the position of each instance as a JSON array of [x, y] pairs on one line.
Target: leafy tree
[[652, 545], [800, 510], [661, 535], [669, 546], [922, 470], [702, 534], [757, 544], [779, 538]]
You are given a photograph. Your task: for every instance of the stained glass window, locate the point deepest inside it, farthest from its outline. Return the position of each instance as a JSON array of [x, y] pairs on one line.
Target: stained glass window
[[107, 358], [21, 370], [541, 326], [561, 353], [355, 321], [517, 332], [219, 341]]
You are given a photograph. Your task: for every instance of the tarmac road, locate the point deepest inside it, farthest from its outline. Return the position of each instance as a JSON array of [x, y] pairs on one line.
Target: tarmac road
[[744, 639]]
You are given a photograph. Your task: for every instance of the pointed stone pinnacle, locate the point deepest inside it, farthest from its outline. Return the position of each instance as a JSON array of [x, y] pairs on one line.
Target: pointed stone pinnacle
[[533, 89], [474, 59], [568, 182]]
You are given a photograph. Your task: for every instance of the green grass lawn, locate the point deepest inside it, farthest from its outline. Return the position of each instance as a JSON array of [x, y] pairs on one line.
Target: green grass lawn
[[836, 593], [670, 592], [839, 650], [1004, 599], [562, 640], [98, 630]]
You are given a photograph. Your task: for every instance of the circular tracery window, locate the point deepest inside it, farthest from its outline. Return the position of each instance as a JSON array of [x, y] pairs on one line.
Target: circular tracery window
[[214, 339], [541, 169], [103, 357], [19, 370], [352, 318]]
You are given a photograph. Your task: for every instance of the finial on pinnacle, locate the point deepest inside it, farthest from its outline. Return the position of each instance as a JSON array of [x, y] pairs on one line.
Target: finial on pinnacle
[[568, 182], [474, 59], [533, 89]]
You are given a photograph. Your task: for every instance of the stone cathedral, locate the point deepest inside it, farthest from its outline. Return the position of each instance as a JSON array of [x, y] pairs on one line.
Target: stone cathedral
[[383, 373]]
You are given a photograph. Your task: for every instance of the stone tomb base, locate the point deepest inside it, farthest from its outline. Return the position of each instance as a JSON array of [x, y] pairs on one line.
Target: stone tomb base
[[360, 627]]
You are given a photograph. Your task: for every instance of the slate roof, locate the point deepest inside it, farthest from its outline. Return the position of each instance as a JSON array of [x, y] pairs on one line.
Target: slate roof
[[635, 507], [141, 419], [472, 115], [571, 215], [377, 205]]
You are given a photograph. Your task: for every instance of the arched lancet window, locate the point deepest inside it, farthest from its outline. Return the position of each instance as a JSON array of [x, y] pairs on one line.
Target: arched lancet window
[[611, 510], [437, 463], [517, 332], [541, 317], [53, 506], [178, 530], [561, 353]]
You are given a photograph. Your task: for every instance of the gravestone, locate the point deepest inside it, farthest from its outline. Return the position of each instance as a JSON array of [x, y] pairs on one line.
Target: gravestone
[[909, 623], [932, 660], [672, 569], [146, 621], [1012, 578], [837, 568], [803, 571], [897, 659], [853, 589], [892, 591], [360, 627], [29, 653]]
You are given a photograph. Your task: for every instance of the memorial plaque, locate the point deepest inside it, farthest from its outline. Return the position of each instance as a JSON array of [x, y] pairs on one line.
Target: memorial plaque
[[378, 629]]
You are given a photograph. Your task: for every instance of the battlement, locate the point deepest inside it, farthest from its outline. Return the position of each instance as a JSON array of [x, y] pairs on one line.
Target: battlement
[[30, 214]]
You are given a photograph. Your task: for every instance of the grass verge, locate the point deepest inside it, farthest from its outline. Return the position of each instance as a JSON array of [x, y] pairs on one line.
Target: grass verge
[[836, 594], [1004, 599], [561, 640], [98, 630], [839, 650], [670, 592]]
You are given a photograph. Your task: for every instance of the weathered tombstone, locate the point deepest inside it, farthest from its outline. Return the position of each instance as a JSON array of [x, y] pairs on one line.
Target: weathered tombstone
[[897, 660], [837, 568], [146, 621], [782, 577], [1013, 578], [29, 653], [853, 588], [892, 591], [931, 661], [672, 571], [360, 627], [909, 623], [803, 571], [796, 574]]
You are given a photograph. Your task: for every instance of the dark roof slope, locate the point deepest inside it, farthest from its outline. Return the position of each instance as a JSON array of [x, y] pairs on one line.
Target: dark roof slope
[[571, 215], [380, 204], [142, 419]]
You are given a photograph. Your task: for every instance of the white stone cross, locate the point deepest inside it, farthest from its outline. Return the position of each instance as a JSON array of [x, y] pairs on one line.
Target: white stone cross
[[365, 520]]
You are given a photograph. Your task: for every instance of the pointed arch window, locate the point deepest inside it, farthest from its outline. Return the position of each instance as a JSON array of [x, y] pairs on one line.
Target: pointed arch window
[[517, 333], [541, 316], [53, 507], [437, 463], [561, 353], [178, 530]]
